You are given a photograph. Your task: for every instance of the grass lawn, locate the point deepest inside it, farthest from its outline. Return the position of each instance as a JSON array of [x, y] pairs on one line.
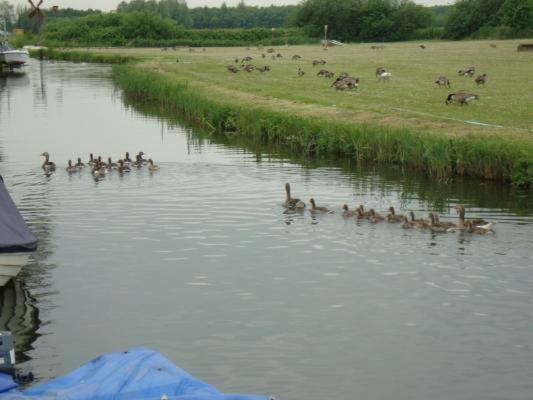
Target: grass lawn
[[410, 98]]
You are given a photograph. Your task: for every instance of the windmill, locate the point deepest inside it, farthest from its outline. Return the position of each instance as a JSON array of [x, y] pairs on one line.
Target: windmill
[[36, 11]]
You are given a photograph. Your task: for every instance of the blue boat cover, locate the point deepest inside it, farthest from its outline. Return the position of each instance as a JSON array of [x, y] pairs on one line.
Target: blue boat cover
[[15, 236], [132, 375]]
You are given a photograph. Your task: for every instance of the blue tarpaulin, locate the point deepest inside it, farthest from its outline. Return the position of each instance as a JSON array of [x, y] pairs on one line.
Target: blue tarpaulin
[[15, 236], [133, 375]]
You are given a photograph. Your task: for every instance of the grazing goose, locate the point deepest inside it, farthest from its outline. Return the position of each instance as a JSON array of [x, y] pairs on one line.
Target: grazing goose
[[442, 81], [122, 167], [232, 68], [384, 76], [380, 70], [462, 221], [481, 79], [461, 98], [79, 164], [318, 210], [296, 57], [422, 46], [301, 72], [71, 168], [292, 202], [347, 213], [152, 167], [374, 216], [48, 165], [392, 217]]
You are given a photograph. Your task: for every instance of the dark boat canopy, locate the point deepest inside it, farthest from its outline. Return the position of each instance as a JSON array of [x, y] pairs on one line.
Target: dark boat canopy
[[15, 236]]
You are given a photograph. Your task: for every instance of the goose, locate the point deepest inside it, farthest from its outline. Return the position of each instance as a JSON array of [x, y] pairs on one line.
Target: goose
[[422, 46], [442, 81], [71, 168], [301, 72], [461, 98], [481, 79], [478, 229], [48, 165], [380, 70], [419, 223], [292, 202], [127, 159], [392, 217], [141, 159], [91, 161], [434, 227], [462, 222], [347, 213], [152, 167], [406, 223], [232, 68], [122, 167], [374, 216], [111, 165], [137, 163], [318, 210], [263, 55], [79, 164], [296, 57], [99, 171], [363, 213], [384, 76], [445, 224]]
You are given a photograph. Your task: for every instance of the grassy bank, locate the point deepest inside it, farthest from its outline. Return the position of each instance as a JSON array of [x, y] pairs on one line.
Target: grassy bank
[[403, 121]]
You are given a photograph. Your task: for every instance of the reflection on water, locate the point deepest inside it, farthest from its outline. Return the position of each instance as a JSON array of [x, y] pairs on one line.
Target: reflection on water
[[199, 261]]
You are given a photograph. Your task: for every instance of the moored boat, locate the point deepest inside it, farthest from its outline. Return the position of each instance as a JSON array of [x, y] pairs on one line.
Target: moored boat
[[10, 57], [17, 242]]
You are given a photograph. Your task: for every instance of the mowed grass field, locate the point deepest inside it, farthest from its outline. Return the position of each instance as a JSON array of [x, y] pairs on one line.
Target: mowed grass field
[[410, 98]]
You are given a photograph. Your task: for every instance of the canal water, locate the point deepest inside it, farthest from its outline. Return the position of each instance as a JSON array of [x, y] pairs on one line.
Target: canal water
[[199, 261]]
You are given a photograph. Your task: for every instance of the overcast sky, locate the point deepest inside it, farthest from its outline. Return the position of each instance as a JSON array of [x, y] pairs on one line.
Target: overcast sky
[[112, 4]]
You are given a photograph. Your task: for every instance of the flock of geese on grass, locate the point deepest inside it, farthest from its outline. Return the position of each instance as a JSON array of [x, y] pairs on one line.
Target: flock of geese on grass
[[346, 82], [407, 221], [100, 168]]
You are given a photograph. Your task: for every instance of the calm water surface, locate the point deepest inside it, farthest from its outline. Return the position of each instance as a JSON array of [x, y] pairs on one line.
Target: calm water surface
[[198, 261]]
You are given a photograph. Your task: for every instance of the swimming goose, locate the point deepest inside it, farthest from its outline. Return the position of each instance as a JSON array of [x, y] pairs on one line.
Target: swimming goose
[[462, 221], [347, 213], [99, 171], [406, 223], [392, 217], [111, 165], [143, 160], [91, 161], [138, 162], [122, 167], [79, 164], [292, 202], [434, 227], [482, 230], [71, 168], [48, 165], [419, 223], [445, 224], [363, 213], [318, 210], [374, 216], [127, 159], [152, 167]]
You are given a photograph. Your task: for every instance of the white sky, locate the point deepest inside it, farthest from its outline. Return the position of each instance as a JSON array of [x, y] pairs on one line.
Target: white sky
[[107, 5]]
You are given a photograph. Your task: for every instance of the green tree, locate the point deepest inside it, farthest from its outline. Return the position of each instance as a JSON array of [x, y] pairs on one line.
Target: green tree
[[517, 14], [7, 14]]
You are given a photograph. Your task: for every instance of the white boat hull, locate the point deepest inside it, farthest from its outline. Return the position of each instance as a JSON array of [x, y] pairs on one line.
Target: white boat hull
[[14, 57], [11, 264]]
